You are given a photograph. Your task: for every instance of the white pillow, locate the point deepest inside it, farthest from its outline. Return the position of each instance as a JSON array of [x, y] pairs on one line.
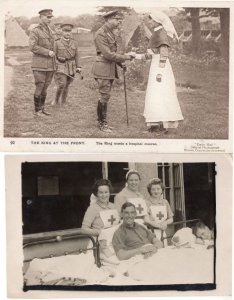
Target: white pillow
[[183, 237]]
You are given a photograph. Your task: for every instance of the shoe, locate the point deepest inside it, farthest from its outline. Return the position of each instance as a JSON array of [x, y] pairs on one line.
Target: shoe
[[106, 125], [46, 112], [105, 128], [39, 114], [155, 130]]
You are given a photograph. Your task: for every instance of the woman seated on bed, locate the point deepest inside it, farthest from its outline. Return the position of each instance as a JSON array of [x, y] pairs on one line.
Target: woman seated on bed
[[101, 214]]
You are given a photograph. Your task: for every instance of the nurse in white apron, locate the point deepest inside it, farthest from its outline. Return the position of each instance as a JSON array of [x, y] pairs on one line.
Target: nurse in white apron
[[130, 193], [102, 219], [102, 213], [159, 211], [162, 109]]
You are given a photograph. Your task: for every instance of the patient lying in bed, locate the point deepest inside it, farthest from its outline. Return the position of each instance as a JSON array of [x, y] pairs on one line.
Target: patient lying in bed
[[204, 235], [182, 263], [133, 251]]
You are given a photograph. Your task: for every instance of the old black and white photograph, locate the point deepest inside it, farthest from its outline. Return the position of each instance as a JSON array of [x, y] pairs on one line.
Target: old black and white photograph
[[135, 71], [118, 225], [129, 106], [151, 220]]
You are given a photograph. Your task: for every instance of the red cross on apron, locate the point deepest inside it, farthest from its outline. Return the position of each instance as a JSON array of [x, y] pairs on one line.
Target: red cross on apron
[[160, 215], [111, 220], [140, 208]]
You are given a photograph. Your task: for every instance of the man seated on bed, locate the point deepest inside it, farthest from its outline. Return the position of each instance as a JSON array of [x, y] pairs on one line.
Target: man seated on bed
[[131, 238]]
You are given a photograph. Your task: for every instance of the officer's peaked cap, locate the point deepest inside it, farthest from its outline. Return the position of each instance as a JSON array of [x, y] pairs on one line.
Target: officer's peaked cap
[[113, 14], [46, 12], [67, 27]]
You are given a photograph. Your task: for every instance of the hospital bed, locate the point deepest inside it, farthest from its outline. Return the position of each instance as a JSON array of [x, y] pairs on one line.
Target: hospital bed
[[75, 246]]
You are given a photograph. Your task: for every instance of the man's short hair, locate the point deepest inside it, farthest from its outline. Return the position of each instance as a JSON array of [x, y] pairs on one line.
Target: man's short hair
[[198, 225], [127, 204]]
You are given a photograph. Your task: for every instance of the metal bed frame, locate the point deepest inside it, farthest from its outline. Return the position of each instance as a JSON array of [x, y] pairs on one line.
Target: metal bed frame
[[77, 234], [59, 237]]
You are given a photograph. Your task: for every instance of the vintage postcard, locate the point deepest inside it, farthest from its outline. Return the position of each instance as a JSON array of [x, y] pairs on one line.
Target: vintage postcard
[[81, 225], [141, 77]]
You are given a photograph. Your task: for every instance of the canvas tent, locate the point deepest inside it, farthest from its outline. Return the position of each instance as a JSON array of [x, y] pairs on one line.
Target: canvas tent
[[81, 30], [15, 36], [130, 27], [83, 36]]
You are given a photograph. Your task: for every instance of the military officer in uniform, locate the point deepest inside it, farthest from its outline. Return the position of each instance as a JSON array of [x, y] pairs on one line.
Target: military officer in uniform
[[41, 43], [105, 67], [66, 53], [57, 31]]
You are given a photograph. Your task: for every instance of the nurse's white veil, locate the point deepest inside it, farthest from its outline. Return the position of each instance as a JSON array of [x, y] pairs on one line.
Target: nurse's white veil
[[165, 21]]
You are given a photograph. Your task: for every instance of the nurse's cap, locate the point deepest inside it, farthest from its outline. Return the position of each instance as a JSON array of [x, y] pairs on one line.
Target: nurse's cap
[[130, 172], [46, 12]]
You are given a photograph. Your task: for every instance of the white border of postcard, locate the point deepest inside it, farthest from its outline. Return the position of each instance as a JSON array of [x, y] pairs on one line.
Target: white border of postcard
[[14, 221], [120, 144]]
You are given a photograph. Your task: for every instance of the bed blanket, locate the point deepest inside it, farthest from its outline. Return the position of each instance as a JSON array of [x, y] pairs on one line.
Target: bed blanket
[[170, 265]]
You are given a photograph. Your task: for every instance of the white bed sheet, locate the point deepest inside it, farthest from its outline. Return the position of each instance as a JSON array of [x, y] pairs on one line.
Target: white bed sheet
[[173, 265], [169, 265]]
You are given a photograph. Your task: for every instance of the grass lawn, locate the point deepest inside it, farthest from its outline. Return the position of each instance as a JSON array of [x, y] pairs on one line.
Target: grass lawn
[[205, 109]]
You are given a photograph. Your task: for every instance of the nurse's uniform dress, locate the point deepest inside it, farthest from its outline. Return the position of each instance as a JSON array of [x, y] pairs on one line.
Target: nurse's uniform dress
[[161, 102]]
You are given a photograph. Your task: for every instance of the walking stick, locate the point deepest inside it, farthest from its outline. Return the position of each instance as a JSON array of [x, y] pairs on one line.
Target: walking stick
[[125, 95], [81, 76]]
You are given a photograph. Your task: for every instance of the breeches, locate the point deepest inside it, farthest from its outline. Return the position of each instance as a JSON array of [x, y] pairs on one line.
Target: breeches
[[62, 80], [42, 81], [104, 87]]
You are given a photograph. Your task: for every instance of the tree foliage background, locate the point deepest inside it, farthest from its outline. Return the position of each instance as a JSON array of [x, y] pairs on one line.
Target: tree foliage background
[[188, 16]]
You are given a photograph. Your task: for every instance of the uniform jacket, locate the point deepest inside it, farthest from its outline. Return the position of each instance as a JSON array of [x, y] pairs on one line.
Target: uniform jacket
[[106, 46], [67, 51], [57, 36], [41, 41]]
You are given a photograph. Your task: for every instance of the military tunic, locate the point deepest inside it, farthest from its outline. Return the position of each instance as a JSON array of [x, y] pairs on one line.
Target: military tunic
[[57, 36], [66, 52], [41, 42], [104, 68]]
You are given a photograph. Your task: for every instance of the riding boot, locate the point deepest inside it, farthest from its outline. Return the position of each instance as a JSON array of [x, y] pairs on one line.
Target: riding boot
[[104, 116], [37, 105], [43, 98], [99, 112], [103, 123]]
